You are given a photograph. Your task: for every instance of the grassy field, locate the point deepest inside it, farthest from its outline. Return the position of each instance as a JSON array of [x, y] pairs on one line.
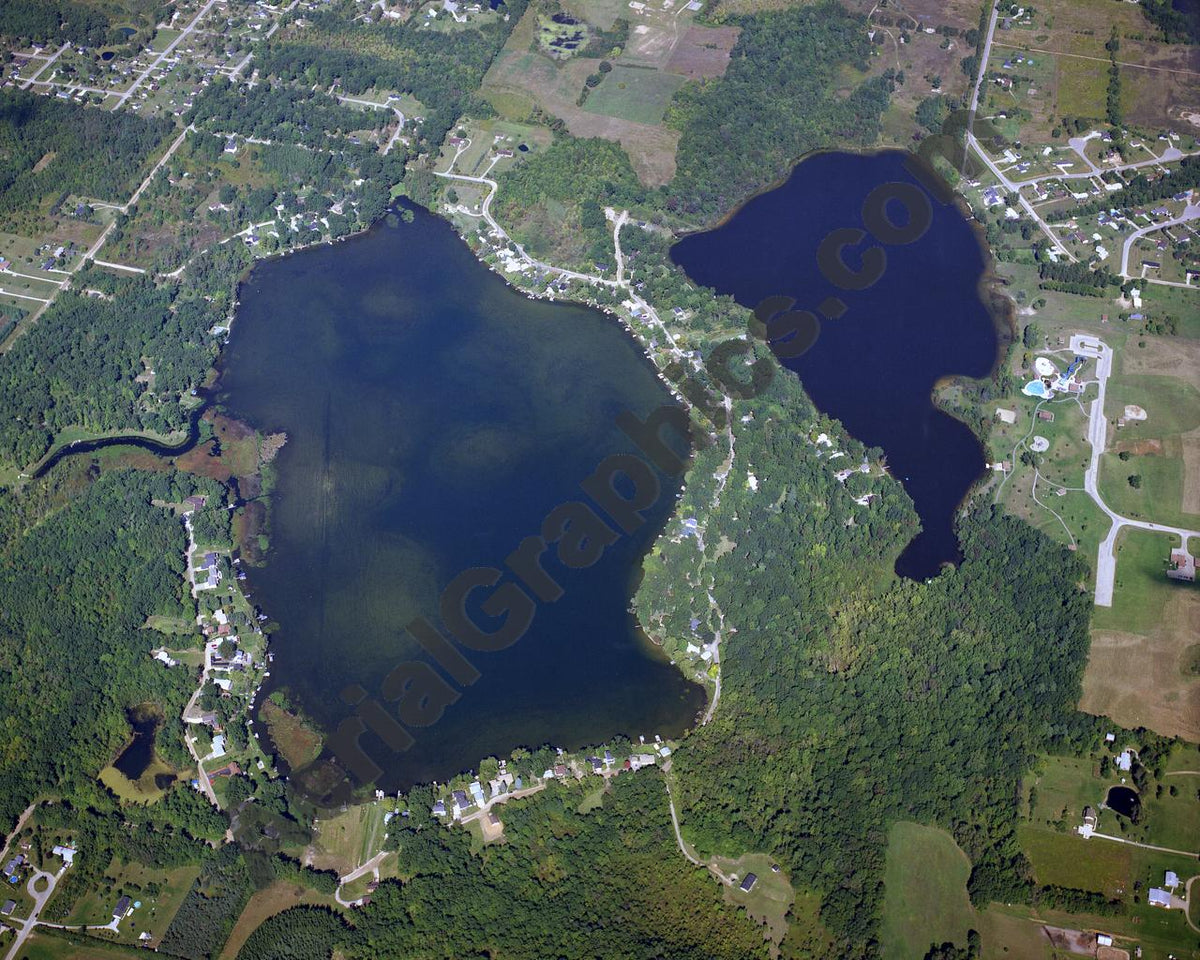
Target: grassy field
[[142, 790], [932, 911], [768, 903], [1184, 757], [350, 838], [1119, 871], [1138, 669], [520, 79], [1007, 935], [74, 946], [1063, 786], [1067, 860], [1142, 588], [154, 915], [1172, 408], [635, 94], [298, 742]]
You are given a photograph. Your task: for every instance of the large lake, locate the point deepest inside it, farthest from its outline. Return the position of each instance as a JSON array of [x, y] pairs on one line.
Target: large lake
[[875, 367], [434, 417]]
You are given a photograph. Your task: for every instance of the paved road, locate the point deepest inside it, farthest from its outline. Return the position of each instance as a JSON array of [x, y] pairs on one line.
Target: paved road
[[1012, 187], [170, 47], [485, 212], [1106, 560], [987, 52], [205, 671], [1146, 846], [1190, 212], [1079, 145], [46, 66], [39, 902]]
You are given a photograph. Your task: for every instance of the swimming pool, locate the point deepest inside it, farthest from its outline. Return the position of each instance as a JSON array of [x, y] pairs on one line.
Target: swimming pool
[[1035, 388]]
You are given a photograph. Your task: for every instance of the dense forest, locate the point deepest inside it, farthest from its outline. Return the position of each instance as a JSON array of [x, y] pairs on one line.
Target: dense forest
[[280, 113], [609, 882], [1179, 22], [53, 21], [883, 698], [87, 361], [76, 589], [53, 147], [786, 64], [580, 177]]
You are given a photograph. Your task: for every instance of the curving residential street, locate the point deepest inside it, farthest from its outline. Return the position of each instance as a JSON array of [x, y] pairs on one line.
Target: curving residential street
[[1106, 560]]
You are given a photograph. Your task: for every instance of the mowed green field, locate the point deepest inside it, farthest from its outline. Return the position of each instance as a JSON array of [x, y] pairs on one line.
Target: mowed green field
[[1064, 786], [1172, 408], [1141, 588], [45, 945], [925, 892], [631, 93], [1118, 871]]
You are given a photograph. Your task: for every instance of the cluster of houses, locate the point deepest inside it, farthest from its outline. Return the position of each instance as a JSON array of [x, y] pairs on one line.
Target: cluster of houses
[[208, 572], [1164, 896], [462, 801]]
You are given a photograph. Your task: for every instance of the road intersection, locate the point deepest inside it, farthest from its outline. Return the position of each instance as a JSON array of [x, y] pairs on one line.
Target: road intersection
[[1106, 560]]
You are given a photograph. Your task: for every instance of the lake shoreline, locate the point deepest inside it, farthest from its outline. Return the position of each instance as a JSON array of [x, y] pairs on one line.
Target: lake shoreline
[[353, 325]]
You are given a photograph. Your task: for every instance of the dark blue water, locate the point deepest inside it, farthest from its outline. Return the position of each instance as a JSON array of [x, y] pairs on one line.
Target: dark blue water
[[139, 752], [874, 368], [1124, 801], [434, 418]]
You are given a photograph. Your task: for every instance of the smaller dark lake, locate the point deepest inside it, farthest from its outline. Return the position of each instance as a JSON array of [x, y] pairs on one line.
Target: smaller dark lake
[[1124, 801], [876, 366], [139, 754]]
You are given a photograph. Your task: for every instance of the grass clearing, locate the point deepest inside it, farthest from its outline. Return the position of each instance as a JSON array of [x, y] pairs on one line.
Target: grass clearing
[[139, 881], [1142, 589], [350, 838], [635, 94], [44, 945], [1067, 860], [592, 799], [298, 742], [935, 910], [1007, 935], [146, 788], [770, 899], [1172, 406], [1063, 787]]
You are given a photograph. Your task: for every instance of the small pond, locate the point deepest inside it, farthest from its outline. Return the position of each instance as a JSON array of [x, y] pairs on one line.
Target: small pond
[[1124, 801], [139, 753]]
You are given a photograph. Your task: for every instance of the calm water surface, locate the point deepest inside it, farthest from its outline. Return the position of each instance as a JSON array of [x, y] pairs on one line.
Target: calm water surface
[[434, 417], [875, 367]]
